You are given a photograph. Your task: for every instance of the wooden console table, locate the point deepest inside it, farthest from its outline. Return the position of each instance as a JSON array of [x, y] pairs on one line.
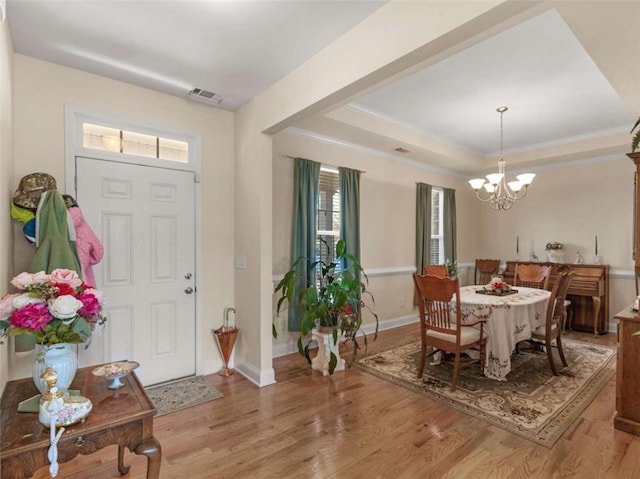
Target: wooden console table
[[123, 417]]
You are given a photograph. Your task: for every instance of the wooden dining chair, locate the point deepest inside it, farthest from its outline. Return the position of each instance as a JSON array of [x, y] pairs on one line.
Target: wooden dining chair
[[568, 310], [436, 270], [441, 322], [552, 329], [485, 270], [531, 276]]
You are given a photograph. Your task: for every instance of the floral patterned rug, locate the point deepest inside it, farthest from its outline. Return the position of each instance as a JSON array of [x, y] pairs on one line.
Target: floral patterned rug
[[170, 397], [532, 403]]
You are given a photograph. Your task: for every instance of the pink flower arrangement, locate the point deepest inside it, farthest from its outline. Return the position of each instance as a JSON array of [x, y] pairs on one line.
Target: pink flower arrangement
[[55, 308], [497, 284], [554, 245]]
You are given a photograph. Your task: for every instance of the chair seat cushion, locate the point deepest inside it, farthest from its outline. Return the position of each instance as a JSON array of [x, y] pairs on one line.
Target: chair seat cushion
[[468, 335], [542, 330]]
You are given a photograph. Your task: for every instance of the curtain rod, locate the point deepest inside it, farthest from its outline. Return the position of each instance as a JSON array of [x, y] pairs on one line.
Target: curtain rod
[[434, 186], [295, 157]]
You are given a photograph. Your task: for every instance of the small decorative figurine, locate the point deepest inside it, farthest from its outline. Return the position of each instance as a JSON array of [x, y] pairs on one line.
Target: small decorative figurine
[[51, 403], [115, 371], [579, 259], [58, 411], [54, 406]]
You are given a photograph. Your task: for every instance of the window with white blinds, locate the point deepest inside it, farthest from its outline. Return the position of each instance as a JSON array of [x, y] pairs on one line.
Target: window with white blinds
[[328, 214], [437, 243]]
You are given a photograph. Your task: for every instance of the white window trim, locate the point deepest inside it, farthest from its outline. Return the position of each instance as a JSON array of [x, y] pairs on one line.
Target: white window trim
[[319, 233], [75, 116], [440, 234]]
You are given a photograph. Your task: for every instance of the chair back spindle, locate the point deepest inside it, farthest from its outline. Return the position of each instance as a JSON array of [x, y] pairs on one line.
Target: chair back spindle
[[485, 270], [532, 276]]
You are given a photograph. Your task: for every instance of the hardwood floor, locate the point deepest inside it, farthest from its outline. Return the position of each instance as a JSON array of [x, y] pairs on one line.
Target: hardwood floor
[[354, 425]]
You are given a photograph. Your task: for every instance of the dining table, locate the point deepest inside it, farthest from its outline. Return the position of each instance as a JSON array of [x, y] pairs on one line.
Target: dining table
[[510, 318]]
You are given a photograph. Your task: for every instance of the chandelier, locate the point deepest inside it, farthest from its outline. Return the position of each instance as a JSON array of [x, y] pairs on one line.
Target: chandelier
[[500, 194]]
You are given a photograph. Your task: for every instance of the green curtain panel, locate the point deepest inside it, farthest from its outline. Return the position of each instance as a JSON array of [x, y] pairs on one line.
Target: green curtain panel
[[449, 226], [423, 226], [305, 196], [349, 181]]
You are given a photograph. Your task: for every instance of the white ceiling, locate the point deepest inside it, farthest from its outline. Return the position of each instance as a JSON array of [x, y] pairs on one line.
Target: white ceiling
[[555, 92], [538, 69], [236, 49]]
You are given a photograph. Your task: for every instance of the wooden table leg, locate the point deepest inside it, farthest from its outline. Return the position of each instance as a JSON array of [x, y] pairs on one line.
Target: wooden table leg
[[151, 448], [122, 469], [596, 313]]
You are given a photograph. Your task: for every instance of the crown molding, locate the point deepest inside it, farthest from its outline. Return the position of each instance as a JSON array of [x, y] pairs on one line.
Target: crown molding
[[513, 167], [356, 108], [365, 150], [445, 141]]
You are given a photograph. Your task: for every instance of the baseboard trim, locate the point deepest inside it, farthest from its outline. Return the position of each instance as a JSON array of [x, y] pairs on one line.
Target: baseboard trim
[[284, 349], [262, 378], [369, 328]]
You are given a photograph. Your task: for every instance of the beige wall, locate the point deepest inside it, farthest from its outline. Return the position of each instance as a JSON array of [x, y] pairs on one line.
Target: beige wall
[[41, 91], [570, 205], [387, 220], [6, 177], [243, 226]]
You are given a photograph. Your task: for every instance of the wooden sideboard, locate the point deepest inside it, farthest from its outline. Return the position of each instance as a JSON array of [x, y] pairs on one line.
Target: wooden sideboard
[[627, 373], [588, 292], [635, 254]]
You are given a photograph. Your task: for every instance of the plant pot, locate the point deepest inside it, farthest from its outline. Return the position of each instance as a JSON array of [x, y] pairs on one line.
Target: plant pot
[[324, 337]]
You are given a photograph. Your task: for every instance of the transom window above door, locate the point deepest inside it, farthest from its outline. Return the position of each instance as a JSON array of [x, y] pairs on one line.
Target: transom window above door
[[99, 137]]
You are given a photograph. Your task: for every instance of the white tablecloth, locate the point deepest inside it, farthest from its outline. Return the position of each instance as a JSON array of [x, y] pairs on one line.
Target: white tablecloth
[[510, 319]]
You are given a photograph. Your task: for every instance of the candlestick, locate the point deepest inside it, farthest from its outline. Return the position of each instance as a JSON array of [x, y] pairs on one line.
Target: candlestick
[[596, 244], [517, 244]]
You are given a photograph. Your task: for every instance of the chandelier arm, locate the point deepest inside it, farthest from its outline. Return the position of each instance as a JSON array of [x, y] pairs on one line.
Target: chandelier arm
[[481, 198], [501, 196]]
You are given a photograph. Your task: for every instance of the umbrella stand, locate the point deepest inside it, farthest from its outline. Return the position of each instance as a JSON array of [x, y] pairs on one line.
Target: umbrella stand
[[226, 338]]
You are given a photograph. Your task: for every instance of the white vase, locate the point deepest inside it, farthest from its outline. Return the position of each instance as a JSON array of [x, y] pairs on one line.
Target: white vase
[[326, 346], [62, 358], [555, 256]]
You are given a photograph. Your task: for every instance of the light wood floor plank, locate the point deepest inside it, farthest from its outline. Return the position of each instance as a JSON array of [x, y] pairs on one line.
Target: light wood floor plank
[[354, 425]]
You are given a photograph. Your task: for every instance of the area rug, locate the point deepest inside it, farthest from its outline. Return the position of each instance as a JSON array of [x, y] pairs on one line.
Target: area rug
[[532, 403], [170, 397]]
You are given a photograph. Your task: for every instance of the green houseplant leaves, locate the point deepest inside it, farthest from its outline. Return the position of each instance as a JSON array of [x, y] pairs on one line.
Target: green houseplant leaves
[[635, 142], [335, 302]]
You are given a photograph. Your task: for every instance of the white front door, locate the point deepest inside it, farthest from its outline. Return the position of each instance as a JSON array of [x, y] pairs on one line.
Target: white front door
[[144, 217]]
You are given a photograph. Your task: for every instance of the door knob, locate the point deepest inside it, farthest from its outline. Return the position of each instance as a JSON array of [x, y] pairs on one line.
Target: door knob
[[189, 290], [188, 275]]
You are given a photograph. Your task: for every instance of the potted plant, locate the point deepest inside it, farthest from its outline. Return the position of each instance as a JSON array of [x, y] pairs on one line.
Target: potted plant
[[635, 142], [332, 306]]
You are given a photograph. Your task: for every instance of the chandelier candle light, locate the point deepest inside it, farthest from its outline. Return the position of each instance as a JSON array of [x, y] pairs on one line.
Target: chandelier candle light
[[502, 195]]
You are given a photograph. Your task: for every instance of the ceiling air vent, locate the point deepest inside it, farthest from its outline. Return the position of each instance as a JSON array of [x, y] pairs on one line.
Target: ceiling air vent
[[204, 96], [401, 150]]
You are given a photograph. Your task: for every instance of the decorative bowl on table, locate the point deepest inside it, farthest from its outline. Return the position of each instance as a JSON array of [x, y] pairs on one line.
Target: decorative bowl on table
[[497, 287], [115, 371]]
